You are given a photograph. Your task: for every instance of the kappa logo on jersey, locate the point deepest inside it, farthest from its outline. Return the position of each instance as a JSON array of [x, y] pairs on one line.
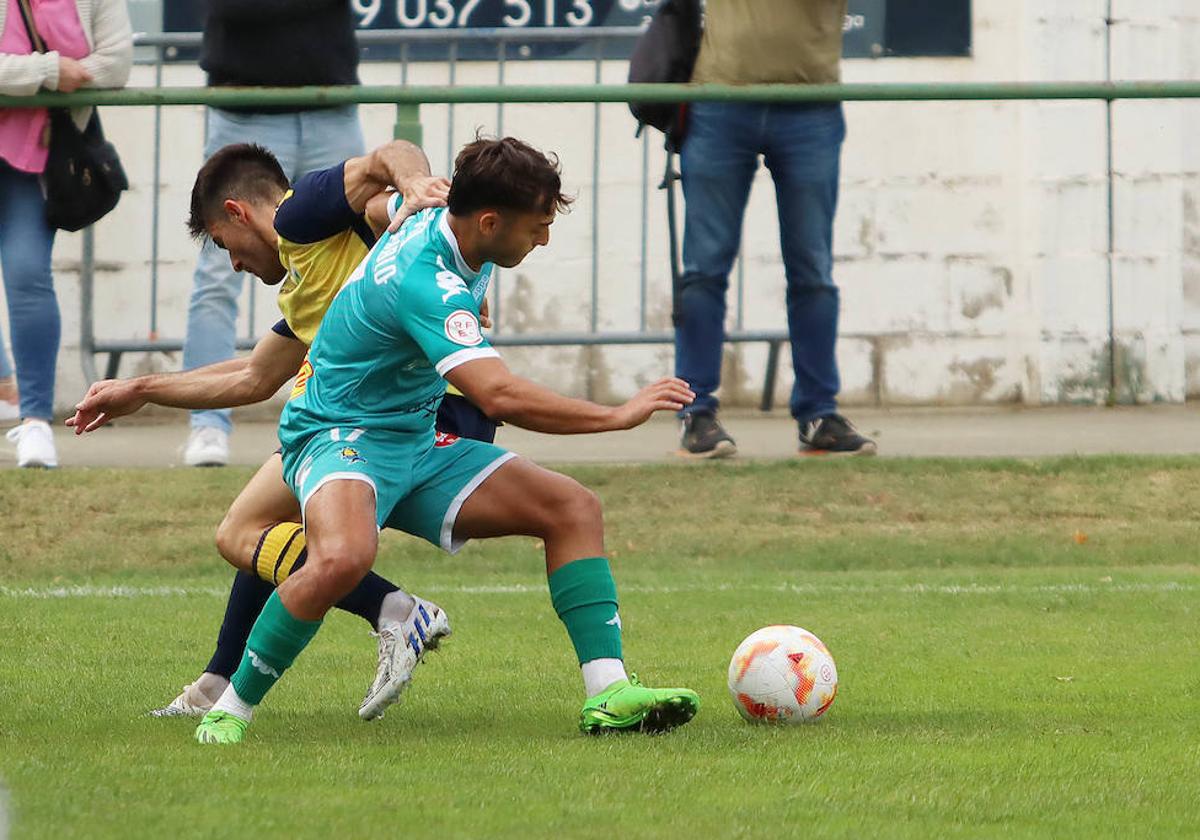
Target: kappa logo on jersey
[[462, 327], [302, 376], [441, 439], [350, 455], [450, 283]]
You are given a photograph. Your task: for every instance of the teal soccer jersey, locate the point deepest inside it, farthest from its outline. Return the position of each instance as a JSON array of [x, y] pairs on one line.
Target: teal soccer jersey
[[408, 314], [364, 403]]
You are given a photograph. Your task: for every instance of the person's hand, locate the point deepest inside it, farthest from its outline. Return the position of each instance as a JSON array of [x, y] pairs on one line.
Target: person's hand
[[104, 401], [485, 317], [669, 394], [418, 194], [71, 75]]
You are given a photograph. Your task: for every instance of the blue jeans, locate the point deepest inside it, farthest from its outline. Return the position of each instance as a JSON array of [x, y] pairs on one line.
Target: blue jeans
[[302, 141], [33, 319], [801, 145]]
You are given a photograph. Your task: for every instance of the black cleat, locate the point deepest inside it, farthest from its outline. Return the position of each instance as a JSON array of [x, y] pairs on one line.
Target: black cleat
[[704, 437], [833, 434]]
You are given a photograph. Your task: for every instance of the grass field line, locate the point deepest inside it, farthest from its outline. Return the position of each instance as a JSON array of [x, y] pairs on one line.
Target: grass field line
[[87, 591]]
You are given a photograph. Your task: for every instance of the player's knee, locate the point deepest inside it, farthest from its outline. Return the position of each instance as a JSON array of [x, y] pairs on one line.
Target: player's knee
[[340, 567], [575, 508], [234, 544]]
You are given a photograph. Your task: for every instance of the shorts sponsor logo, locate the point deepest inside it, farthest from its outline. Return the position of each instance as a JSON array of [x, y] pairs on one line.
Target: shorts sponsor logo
[[441, 439], [462, 327], [350, 455]]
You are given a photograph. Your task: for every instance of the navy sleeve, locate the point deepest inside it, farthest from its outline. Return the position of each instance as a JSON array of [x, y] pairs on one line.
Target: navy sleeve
[[281, 328], [317, 209]]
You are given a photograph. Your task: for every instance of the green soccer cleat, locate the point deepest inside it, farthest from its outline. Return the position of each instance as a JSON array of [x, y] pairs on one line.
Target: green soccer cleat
[[221, 728], [628, 706]]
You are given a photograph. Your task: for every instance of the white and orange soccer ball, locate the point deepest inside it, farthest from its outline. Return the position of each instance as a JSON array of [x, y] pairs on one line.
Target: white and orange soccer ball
[[782, 674]]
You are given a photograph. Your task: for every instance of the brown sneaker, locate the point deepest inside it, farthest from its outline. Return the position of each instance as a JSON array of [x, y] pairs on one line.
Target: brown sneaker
[[704, 437]]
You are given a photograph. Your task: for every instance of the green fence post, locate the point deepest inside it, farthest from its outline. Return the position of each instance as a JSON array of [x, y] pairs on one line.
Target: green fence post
[[408, 123]]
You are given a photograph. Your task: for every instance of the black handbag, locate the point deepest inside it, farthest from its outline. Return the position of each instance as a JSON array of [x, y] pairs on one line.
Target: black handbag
[[83, 178], [666, 52]]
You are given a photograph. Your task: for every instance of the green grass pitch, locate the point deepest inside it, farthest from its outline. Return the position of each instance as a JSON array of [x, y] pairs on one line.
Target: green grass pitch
[[1016, 641]]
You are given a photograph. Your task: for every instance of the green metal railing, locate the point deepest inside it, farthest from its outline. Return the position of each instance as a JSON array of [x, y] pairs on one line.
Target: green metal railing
[[408, 99], [230, 97]]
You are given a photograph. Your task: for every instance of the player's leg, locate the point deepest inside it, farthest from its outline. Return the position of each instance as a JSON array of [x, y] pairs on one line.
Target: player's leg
[[262, 537], [479, 491], [342, 541]]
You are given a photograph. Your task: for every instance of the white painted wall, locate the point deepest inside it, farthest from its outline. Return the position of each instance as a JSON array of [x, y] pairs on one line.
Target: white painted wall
[[970, 241]]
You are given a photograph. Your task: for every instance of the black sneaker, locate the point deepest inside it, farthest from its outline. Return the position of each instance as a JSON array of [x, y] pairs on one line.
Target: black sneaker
[[703, 437], [833, 434]]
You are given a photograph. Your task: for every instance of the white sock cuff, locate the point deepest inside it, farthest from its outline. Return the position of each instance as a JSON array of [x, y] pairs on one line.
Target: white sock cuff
[[231, 702], [599, 674]]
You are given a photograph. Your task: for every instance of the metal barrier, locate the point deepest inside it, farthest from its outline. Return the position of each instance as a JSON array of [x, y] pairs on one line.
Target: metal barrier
[[408, 99]]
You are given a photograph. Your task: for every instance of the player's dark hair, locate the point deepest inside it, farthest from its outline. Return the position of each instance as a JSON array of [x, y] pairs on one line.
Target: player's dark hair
[[242, 172], [505, 174]]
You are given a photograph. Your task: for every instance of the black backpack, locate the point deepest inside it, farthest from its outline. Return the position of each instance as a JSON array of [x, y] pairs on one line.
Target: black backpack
[[666, 52]]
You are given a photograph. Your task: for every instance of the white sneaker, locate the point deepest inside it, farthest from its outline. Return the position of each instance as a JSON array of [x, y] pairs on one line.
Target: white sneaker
[[207, 446], [402, 646], [35, 444], [193, 701]]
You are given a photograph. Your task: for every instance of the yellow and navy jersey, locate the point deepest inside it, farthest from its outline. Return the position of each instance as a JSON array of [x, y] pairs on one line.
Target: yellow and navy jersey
[[321, 241]]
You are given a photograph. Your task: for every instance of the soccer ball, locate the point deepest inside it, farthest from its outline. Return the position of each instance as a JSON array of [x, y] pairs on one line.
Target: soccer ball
[[782, 674]]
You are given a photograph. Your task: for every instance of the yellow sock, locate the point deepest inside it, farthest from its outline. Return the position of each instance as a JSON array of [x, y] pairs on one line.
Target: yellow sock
[[281, 550]]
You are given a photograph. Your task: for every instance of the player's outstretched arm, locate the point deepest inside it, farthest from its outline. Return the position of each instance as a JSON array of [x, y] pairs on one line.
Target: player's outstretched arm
[[502, 395], [241, 381]]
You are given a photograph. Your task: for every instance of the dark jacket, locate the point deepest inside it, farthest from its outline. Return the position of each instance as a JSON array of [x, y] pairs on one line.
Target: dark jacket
[[285, 43]]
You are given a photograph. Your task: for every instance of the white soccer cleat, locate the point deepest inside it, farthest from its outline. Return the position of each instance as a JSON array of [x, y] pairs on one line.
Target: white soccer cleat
[[207, 446], [402, 646], [35, 444], [191, 702]]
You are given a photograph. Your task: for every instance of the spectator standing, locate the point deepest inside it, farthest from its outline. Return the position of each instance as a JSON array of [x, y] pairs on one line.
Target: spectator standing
[[282, 43], [89, 44], [753, 42]]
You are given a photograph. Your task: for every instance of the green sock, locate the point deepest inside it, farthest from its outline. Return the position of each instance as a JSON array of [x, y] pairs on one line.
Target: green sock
[[585, 598], [275, 641]]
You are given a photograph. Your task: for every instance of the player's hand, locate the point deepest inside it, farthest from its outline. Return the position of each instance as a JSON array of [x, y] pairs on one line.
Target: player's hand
[[418, 194], [104, 401], [669, 394], [71, 75], [485, 317]]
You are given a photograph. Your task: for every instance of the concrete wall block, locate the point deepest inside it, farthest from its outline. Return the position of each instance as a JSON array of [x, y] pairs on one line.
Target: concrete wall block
[[1074, 369], [1071, 294], [1145, 43], [1072, 217], [1066, 44], [1148, 216], [1148, 293], [928, 139], [893, 296], [981, 298], [937, 219], [950, 371], [1150, 366], [1069, 139], [1191, 368], [1147, 137]]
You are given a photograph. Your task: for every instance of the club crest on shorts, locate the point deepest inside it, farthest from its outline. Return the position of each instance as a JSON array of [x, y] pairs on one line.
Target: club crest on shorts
[[462, 327], [441, 439], [350, 455]]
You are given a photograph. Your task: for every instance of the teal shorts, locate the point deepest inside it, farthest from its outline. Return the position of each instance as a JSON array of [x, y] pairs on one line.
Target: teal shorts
[[420, 480]]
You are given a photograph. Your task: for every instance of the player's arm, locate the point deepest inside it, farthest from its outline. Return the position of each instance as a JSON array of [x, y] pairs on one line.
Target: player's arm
[[502, 395], [400, 165], [240, 381]]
